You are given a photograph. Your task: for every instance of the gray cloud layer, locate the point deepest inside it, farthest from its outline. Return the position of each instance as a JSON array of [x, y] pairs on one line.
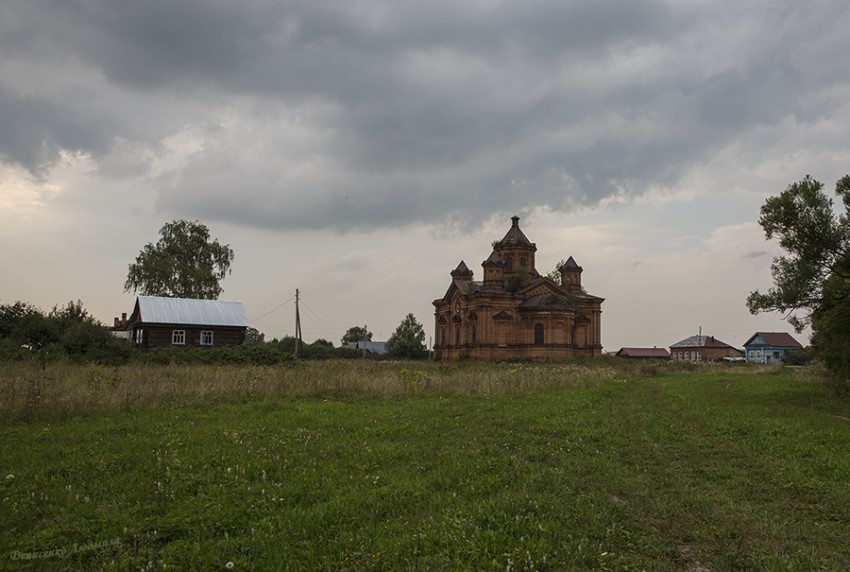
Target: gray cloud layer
[[366, 114]]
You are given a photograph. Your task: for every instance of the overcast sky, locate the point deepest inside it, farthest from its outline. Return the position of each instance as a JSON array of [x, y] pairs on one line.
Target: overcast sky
[[358, 150]]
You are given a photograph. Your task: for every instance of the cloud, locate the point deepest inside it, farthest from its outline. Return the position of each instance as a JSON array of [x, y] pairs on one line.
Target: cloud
[[365, 115]]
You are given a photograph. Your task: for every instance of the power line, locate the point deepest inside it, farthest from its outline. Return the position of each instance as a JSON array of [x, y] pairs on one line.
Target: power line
[[275, 309], [324, 321]]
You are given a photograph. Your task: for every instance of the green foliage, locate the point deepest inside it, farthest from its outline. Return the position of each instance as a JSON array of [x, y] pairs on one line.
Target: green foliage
[[408, 340], [88, 341], [67, 332], [356, 334], [184, 263], [320, 349], [817, 242], [555, 274], [37, 331], [811, 282], [286, 344], [254, 336], [255, 354], [570, 301], [802, 356], [517, 280], [11, 315]]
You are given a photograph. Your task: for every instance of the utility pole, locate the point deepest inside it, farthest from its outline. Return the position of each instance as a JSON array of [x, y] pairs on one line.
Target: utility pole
[[297, 327]]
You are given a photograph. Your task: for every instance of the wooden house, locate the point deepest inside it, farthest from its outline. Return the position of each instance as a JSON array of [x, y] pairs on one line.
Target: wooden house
[[174, 322], [769, 347], [704, 349], [643, 353]]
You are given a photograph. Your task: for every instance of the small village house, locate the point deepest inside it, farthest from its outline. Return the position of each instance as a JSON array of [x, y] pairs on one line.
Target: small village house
[[514, 312], [703, 349], [643, 353], [175, 322], [770, 347], [377, 348]]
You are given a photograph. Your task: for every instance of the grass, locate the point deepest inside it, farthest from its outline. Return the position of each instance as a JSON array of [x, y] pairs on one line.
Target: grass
[[382, 466]]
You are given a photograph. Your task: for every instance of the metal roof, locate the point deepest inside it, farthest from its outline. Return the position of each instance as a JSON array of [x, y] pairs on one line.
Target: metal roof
[[156, 310], [515, 236], [772, 339], [701, 342]]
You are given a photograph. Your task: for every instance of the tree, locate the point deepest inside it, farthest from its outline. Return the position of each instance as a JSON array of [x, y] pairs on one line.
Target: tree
[[408, 340], [818, 246], [555, 274], [184, 263], [11, 315], [518, 280], [254, 337], [812, 282], [356, 334]]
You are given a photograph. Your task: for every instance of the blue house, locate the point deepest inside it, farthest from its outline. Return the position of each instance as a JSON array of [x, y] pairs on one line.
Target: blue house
[[769, 347]]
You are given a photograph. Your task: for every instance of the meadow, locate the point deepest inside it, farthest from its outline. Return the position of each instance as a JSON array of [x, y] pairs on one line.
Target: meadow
[[420, 466]]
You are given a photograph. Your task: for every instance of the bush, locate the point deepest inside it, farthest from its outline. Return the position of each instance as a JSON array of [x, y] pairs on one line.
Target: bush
[[258, 354]]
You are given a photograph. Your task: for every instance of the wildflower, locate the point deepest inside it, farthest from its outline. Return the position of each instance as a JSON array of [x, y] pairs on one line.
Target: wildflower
[[229, 565], [10, 477]]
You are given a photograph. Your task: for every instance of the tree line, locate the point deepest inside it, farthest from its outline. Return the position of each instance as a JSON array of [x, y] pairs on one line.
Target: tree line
[[70, 333]]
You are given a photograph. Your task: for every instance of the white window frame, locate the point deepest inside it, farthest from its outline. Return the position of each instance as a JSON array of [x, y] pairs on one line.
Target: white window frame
[[178, 337], [207, 337]]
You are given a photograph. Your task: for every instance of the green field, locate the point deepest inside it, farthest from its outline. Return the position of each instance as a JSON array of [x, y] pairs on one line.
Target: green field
[[417, 466]]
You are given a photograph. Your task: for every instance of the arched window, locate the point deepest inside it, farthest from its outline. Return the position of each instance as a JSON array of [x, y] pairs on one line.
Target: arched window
[[457, 335], [474, 334], [522, 262], [538, 334], [509, 264]]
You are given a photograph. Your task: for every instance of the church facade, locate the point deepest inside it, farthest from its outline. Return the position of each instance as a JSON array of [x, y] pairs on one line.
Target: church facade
[[514, 312]]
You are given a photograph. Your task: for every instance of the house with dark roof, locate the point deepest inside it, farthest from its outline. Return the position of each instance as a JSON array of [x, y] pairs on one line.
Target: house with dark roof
[[158, 322], [643, 353], [514, 312], [703, 349], [377, 348], [769, 347]]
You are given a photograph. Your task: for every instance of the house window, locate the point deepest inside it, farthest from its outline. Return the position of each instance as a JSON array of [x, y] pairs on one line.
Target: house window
[[687, 356], [138, 336], [538, 334], [206, 337], [178, 337]]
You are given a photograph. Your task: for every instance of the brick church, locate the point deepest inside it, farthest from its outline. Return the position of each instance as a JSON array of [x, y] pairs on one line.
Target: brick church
[[515, 312]]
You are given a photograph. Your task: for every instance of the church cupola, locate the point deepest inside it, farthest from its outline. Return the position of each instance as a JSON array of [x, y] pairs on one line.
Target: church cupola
[[462, 272], [494, 271], [570, 275], [515, 250]]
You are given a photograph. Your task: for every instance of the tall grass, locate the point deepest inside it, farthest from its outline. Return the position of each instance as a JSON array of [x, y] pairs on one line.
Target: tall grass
[[31, 392], [28, 392]]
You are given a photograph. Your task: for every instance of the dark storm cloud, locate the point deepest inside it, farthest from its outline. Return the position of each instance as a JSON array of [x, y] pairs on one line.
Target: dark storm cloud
[[367, 114]]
